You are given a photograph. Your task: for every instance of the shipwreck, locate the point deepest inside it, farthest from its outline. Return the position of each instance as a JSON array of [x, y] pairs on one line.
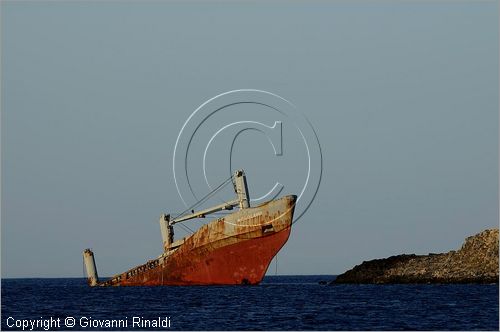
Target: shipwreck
[[232, 250]]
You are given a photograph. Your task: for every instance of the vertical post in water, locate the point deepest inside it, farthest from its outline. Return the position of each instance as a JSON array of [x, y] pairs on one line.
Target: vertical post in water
[[88, 258], [240, 182]]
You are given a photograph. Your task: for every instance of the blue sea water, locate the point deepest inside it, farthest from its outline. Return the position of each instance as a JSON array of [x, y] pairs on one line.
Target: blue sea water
[[278, 303]]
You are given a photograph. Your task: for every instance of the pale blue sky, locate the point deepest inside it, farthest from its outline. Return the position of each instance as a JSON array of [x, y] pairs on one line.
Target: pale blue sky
[[403, 97]]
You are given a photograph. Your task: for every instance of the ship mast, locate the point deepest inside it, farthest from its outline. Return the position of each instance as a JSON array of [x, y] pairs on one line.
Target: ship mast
[[241, 189], [242, 200]]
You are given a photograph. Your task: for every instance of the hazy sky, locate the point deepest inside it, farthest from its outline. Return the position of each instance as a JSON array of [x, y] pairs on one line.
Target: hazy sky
[[402, 95]]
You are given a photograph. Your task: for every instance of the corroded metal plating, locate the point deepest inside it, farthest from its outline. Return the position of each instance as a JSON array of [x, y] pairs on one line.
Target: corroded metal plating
[[236, 249]]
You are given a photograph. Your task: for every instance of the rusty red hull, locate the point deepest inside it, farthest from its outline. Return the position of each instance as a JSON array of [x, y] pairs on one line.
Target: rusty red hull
[[233, 250]]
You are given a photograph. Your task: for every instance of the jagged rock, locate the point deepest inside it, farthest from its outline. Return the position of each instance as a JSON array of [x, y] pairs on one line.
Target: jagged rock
[[475, 262]]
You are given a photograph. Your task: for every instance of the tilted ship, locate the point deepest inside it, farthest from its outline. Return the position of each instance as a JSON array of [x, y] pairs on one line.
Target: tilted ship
[[231, 250]]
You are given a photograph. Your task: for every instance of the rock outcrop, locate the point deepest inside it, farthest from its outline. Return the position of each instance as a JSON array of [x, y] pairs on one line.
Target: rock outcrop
[[475, 262]]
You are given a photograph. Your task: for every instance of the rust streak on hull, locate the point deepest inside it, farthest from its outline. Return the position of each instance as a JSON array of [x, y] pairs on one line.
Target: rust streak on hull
[[233, 250]]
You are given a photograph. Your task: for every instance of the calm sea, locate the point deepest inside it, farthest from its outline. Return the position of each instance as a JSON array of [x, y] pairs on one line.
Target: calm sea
[[279, 303]]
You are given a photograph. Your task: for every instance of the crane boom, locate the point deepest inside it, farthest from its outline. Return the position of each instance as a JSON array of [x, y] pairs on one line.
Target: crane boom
[[243, 200]]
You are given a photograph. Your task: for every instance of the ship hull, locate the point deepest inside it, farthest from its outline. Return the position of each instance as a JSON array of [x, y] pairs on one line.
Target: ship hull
[[233, 250]]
